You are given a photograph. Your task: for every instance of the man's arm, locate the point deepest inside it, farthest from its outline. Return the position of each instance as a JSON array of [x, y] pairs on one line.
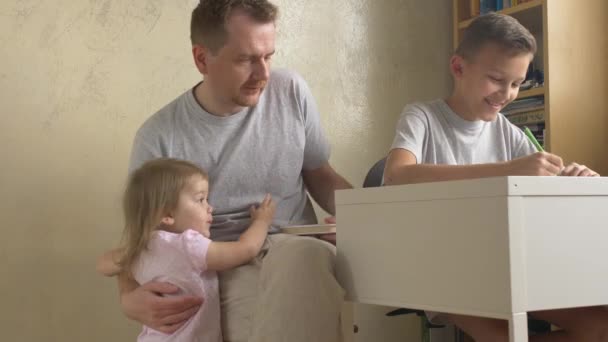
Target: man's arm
[[147, 304], [321, 184], [401, 168]]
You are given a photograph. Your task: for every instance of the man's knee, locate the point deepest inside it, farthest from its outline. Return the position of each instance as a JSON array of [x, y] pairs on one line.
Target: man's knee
[[303, 249], [303, 256]]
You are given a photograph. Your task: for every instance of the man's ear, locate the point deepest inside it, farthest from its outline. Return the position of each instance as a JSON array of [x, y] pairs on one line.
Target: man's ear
[[457, 66], [201, 55]]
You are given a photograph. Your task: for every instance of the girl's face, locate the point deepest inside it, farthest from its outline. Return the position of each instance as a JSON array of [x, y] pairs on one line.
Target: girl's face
[[193, 211]]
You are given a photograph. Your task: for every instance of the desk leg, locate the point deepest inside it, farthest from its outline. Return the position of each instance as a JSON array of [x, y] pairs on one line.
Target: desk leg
[[347, 320], [518, 328]]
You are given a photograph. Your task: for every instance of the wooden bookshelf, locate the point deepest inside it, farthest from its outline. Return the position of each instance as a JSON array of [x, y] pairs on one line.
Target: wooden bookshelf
[[513, 11], [573, 54]]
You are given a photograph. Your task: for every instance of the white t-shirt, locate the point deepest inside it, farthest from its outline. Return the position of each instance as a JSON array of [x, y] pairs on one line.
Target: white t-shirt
[[437, 135], [260, 150]]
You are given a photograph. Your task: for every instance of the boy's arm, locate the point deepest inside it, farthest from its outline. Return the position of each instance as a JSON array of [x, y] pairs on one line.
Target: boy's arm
[[401, 168], [225, 255], [106, 264]]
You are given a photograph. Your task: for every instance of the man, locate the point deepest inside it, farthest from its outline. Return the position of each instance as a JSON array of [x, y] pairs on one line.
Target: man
[[255, 131]]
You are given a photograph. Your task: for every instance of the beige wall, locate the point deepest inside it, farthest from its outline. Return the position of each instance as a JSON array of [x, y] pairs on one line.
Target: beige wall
[[77, 78]]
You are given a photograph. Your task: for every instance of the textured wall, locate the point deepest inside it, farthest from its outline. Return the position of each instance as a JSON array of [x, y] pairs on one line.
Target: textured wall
[[77, 78]]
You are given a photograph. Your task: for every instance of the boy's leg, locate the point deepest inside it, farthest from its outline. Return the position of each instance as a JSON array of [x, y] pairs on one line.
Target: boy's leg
[[578, 324], [299, 297]]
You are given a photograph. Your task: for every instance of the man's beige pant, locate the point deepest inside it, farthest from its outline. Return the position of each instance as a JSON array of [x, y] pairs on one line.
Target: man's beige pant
[[287, 293]]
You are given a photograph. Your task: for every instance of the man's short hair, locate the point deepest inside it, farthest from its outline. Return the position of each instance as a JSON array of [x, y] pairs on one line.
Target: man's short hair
[[502, 30], [208, 24]]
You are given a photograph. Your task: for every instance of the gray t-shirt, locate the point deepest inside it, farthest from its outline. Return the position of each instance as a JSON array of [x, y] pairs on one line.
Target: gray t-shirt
[[262, 149], [437, 135]]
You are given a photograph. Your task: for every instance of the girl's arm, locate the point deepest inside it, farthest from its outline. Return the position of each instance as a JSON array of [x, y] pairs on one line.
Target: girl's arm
[[106, 264], [226, 255]]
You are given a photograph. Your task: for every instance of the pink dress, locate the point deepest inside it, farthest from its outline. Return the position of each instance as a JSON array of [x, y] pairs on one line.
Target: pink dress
[[181, 259]]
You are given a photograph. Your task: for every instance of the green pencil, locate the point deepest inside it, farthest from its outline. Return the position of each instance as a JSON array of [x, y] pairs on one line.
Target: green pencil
[[528, 133]]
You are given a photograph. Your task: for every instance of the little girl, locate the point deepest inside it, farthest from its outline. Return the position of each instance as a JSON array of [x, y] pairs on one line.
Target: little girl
[[166, 238]]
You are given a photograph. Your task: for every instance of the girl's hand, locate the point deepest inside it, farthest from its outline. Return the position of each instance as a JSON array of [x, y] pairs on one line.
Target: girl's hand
[[265, 210]]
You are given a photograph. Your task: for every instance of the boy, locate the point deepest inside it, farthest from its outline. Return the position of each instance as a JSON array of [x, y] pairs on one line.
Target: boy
[[466, 137]]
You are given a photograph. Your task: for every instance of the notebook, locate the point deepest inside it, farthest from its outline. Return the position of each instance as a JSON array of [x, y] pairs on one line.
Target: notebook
[[310, 229]]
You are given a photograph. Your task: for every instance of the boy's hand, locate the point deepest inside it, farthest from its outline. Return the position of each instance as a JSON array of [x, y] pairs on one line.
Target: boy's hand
[[265, 211], [537, 164], [576, 170]]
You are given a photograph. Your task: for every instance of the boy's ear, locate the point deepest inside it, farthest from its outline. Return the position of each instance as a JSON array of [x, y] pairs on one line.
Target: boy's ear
[[456, 66]]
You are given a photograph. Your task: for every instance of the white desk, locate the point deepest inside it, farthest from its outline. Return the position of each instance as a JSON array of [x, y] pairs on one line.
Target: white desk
[[495, 247]]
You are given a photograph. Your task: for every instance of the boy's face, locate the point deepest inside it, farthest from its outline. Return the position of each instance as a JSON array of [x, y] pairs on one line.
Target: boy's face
[[489, 81], [193, 211], [238, 72]]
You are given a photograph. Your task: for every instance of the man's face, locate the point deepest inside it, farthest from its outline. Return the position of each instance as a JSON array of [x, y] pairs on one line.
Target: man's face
[[491, 80], [237, 73]]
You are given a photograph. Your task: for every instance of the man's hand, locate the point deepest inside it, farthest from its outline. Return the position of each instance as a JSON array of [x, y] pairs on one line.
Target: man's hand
[[537, 164], [331, 238], [576, 170], [147, 305]]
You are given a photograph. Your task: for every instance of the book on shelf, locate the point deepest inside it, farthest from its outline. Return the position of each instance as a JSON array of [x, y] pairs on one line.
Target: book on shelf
[[525, 104], [527, 118], [309, 229], [511, 112], [474, 8], [538, 130], [535, 127], [477, 7], [487, 6]]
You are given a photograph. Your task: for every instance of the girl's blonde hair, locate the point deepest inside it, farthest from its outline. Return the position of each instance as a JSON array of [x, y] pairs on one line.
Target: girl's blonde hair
[[152, 191]]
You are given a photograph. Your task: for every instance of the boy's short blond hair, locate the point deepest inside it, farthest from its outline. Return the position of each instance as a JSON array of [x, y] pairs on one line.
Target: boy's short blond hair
[[493, 28]]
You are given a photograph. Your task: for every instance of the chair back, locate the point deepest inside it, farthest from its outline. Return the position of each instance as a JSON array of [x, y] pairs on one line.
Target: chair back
[[375, 174]]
